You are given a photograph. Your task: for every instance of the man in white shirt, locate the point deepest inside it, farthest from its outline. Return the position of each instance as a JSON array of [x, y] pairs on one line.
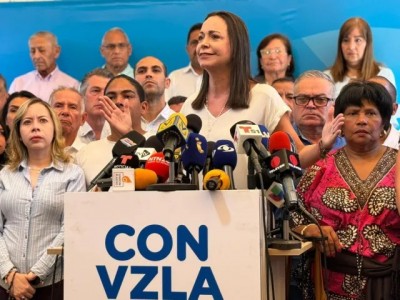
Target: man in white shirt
[[151, 73], [121, 106], [68, 103], [186, 81], [116, 50], [44, 52], [92, 88]]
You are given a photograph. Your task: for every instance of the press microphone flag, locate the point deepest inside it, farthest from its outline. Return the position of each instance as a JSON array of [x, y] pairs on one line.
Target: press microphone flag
[[194, 156], [246, 133], [225, 158], [173, 133], [284, 165]]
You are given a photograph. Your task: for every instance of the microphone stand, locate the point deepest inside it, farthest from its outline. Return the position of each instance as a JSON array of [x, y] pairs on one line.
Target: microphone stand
[[171, 184], [285, 243]]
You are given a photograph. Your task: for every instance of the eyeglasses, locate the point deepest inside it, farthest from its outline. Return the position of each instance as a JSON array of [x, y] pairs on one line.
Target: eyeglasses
[[268, 52], [319, 101], [112, 47]]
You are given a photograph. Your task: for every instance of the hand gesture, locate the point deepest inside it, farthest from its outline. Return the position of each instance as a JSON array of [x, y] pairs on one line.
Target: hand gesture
[[117, 115], [332, 129]]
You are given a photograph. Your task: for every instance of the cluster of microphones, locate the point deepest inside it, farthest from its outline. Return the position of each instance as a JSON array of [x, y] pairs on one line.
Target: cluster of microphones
[[179, 158]]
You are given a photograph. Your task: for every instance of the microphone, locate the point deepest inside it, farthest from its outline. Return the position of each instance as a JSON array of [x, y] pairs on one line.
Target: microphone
[[124, 146], [143, 178], [216, 180], [284, 165], [209, 164], [194, 123], [173, 133], [225, 158], [248, 136], [159, 165], [194, 156], [154, 142]]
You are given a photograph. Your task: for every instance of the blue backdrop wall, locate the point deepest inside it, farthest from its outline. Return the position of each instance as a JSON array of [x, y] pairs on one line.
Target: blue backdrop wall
[[159, 28]]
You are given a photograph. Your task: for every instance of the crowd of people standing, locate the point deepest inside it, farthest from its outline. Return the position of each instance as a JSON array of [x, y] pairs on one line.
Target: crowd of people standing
[[57, 130]]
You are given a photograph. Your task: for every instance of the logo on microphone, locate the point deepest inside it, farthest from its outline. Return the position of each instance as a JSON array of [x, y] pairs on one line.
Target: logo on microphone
[[293, 160], [198, 145], [128, 142], [126, 179], [145, 153], [275, 162], [226, 148]]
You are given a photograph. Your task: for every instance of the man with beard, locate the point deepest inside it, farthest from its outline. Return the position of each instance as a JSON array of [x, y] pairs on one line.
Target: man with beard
[[68, 103], [44, 52], [186, 81], [313, 98], [116, 50], [151, 73]]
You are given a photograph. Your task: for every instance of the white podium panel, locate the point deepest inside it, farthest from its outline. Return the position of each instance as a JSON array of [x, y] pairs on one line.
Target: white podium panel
[[162, 245]]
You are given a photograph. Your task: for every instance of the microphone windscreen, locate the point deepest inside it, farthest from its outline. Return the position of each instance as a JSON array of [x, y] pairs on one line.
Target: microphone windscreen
[[128, 143], [224, 154], [180, 115], [158, 164], [194, 154], [144, 178], [154, 142], [233, 128], [216, 180], [194, 123], [279, 140]]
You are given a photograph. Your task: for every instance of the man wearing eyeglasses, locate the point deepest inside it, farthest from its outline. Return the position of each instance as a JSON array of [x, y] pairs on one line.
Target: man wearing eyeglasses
[[313, 97], [116, 50]]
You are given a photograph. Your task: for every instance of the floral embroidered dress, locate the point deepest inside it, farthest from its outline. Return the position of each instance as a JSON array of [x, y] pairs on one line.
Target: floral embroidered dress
[[363, 213]]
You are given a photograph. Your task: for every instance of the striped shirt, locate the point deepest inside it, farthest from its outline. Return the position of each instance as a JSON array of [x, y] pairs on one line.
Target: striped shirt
[[32, 219]]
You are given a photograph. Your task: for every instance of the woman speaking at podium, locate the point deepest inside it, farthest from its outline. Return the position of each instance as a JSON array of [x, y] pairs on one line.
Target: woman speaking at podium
[[228, 94], [32, 187]]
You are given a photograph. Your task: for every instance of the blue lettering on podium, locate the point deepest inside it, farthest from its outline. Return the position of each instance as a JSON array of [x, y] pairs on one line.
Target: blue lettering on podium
[[167, 286], [205, 275], [165, 236], [199, 248], [138, 292], [112, 288], [184, 237], [110, 242], [205, 283]]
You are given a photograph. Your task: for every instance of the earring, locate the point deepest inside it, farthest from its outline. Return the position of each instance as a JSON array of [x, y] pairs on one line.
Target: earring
[[383, 133]]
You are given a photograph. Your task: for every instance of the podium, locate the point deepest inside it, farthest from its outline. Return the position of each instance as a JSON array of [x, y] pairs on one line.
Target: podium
[[163, 245]]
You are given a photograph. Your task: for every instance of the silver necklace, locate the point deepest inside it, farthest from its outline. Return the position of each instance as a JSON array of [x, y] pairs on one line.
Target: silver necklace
[[211, 122]]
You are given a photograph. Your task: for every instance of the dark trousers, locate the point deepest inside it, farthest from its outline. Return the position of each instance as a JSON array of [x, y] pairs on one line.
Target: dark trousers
[[50, 292]]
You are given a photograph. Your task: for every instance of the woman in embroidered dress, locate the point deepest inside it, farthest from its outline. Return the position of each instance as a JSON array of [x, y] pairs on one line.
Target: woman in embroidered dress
[[32, 187], [352, 195], [228, 94]]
